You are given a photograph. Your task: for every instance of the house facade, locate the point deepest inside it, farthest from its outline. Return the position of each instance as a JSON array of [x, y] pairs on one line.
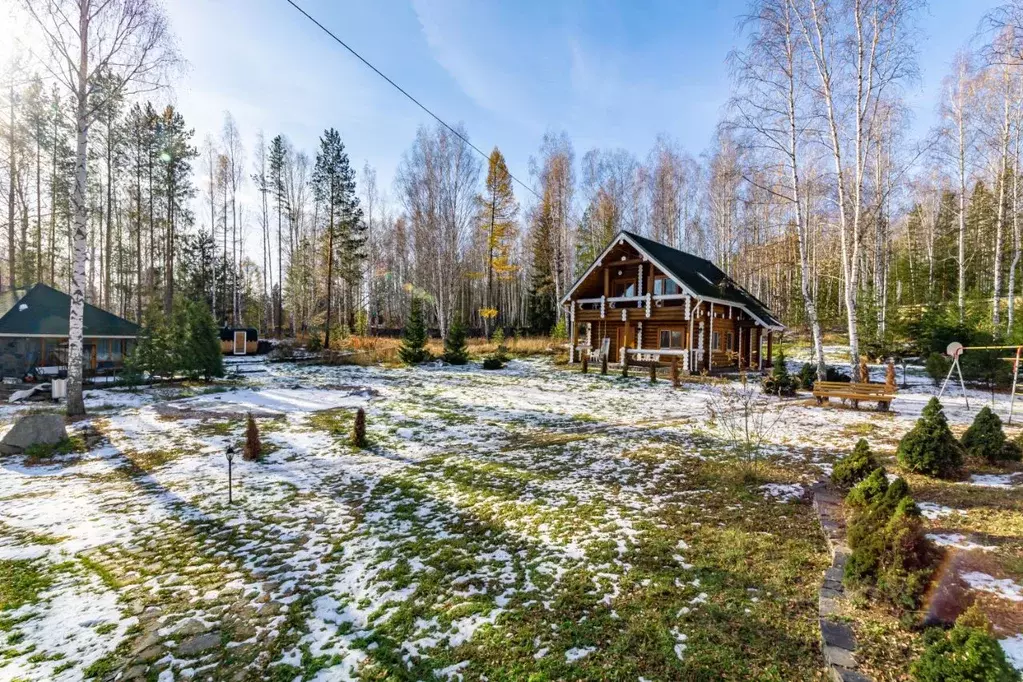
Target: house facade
[[34, 333], [646, 300]]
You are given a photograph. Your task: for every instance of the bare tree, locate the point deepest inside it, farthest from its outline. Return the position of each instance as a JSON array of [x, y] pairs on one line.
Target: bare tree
[[860, 50], [772, 105], [235, 154], [129, 42]]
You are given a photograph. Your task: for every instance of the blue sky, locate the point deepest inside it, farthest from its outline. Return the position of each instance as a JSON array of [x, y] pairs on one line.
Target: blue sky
[[610, 73]]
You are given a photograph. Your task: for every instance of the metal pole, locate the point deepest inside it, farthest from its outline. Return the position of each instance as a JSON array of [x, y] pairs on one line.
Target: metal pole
[[961, 382], [229, 481], [1015, 376], [948, 376]]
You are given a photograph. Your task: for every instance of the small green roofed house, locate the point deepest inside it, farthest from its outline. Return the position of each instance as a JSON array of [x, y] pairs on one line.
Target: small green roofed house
[[34, 331]]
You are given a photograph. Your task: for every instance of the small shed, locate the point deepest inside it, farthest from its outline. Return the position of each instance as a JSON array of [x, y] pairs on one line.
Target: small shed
[[239, 340], [34, 323]]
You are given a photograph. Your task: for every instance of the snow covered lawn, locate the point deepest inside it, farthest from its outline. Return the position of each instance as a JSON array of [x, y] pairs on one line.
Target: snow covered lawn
[[530, 521]]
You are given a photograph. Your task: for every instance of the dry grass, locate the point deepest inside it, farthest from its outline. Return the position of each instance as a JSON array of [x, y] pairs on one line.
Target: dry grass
[[374, 350]]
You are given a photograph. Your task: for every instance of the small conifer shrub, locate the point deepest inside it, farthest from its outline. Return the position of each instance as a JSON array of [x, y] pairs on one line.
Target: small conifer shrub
[[456, 352], [253, 447], [359, 429], [779, 382], [874, 486], [966, 653], [855, 466], [890, 555], [413, 338], [986, 439], [930, 448]]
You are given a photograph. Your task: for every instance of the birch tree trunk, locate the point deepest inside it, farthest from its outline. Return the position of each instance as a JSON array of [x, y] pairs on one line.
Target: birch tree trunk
[[76, 318]]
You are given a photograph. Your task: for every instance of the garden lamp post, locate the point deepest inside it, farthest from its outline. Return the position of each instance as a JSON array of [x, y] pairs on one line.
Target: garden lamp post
[[230, 457]]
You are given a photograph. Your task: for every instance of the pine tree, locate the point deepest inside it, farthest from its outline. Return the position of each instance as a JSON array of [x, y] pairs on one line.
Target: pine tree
[[334, 186], [279, 152], [456, 352], [930, 448], [413, 338]]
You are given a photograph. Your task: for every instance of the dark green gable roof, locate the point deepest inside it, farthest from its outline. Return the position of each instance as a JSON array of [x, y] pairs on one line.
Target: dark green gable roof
[[701, 277], [704, 278], [43, 311]]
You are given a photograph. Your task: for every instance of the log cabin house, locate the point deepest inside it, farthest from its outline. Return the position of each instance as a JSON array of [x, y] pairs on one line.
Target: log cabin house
[[34, 333], [649, 301]]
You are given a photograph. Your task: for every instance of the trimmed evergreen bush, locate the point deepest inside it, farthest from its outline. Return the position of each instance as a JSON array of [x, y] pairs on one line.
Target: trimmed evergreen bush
[[930, 448], [871, 488], [492, 362], [413, 338], [456, 352], [359, 429], [855, 466], [966, 653], [890, 554], [986, 439], [779, 382], [253, 446]]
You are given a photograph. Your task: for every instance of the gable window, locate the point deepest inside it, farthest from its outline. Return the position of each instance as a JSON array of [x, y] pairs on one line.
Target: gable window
[[670, 339], [664, 286]]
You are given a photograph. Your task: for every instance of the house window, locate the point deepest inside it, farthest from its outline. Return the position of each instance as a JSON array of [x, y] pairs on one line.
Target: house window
[[623, 288], [665, 287], [670, 339], [715, 341], [728, 341]]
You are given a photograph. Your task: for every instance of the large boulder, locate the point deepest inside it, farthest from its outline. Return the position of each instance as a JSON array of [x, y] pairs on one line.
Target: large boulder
[[34, 429]]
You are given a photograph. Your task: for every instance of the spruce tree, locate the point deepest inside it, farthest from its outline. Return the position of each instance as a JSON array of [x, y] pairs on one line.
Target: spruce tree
[[930, 448], [456, 352], [542, 306], [413, 338], [203, 345]]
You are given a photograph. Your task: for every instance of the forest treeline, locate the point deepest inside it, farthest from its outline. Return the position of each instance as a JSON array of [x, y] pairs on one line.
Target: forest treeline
[[812, 195]]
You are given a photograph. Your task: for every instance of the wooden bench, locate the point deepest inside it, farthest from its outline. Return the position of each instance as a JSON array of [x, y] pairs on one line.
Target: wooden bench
[[882, 394]]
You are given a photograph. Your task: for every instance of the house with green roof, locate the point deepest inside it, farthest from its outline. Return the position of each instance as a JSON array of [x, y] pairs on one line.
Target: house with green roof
[[649, 301], [34, 325]]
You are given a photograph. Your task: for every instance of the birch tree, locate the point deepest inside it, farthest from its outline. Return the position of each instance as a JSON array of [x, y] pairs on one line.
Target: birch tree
[[128, 41]]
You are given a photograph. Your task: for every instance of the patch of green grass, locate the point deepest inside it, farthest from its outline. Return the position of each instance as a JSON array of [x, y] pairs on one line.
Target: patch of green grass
[[337, 422], [21, 581], [102, 572], [42, 452]]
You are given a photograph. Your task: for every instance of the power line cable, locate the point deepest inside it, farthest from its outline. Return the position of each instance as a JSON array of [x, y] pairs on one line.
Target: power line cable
[[404, 92]]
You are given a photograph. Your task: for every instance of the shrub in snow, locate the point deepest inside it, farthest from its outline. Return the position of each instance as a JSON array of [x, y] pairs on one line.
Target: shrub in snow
[[855, 466], [930, 448], [492, 362], [456, 352], [985, 438], [413, 338], [203, 352], [889, 377], [253, 447], [314, 344], [359, 429], [966, 653], [779, 382], [497, 359], [862, 371]]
